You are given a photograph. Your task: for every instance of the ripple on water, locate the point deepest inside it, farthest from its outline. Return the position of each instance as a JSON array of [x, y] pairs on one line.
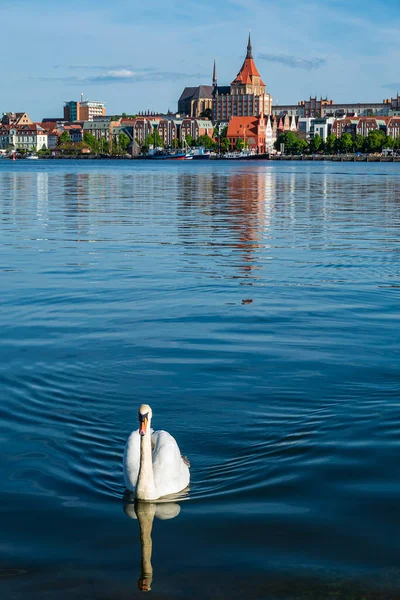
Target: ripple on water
[[255, 308]]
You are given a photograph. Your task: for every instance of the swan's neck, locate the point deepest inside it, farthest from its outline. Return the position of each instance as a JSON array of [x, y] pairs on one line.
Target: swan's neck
[[145, 489]]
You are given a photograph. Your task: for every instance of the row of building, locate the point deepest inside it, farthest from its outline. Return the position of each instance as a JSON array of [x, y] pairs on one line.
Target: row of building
[[245, 108], [257, 133], [19, 132]]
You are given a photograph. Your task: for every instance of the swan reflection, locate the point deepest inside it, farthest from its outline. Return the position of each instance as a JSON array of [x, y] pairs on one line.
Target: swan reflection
[[145, 512]]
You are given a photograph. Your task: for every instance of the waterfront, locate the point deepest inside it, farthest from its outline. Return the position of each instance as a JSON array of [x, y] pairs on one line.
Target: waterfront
[[255, 307]]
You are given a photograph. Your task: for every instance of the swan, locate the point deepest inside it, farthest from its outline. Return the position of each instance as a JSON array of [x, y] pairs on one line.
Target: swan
[[153, 464]]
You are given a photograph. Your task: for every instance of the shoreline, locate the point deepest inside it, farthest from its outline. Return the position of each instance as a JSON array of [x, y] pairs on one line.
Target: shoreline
[[262, 157]]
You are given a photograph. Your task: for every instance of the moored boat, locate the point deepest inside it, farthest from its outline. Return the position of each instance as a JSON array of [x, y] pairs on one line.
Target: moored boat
[[200, 153], [176, 156]]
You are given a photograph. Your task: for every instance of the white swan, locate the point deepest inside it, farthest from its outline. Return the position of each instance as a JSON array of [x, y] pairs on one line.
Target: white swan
[[153, 465]]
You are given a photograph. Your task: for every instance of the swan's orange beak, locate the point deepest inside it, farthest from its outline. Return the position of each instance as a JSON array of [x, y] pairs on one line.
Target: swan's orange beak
[[143, 424]]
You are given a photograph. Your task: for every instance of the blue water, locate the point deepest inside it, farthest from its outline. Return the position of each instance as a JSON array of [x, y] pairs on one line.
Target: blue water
[[255, 307]]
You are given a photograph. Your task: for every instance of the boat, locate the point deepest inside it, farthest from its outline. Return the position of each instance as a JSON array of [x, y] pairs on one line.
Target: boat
[[200, 153], [32, 157], [189, 157], [176, 156]]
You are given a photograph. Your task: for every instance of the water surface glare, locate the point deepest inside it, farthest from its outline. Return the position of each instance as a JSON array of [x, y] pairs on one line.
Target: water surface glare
[[255, 307]]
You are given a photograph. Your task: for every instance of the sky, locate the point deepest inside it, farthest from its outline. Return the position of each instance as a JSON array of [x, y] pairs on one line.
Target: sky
[[139, 55]]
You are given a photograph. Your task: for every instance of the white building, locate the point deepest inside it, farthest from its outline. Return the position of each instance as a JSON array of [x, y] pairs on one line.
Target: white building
[[30, 138], [321, 127], [89, 109]]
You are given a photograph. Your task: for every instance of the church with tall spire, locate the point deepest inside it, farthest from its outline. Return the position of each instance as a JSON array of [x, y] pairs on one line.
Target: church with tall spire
[[247, 94]]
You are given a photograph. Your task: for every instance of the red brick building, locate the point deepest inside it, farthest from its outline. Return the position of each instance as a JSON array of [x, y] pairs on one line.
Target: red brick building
[[251, 130]]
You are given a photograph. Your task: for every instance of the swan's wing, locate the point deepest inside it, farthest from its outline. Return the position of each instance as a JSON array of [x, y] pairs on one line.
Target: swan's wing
[[171, 474], [132, 460]]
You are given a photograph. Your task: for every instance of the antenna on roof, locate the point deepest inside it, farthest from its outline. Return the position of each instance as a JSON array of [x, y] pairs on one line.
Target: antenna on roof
[[81, 96]]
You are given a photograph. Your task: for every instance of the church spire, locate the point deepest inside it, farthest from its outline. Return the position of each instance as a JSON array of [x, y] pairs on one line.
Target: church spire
[[249, 48], [215, 74]]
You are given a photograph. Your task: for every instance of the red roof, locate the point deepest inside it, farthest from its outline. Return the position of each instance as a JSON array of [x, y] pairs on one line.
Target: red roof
[[243, 127], [247, 72]]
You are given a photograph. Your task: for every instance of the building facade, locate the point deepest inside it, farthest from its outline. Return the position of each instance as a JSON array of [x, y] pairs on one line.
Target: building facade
[[28, 137], [249, 130], [85, 110], [171, 128], [323, 107], [246, 96], [195, 101], [15, 119], [102, 128]]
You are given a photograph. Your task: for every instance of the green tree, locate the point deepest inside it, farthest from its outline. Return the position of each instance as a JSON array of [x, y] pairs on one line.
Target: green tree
[[359, 141], [105, 147], [389, 142], [189, 140], [316, 143], [375, 141], [206, 141], [345, 143], [330, 144], [225, 145], [291, 143], [239, 144], [154, 139], [91, 142], [302, 146], [64, 138], [124, 142]]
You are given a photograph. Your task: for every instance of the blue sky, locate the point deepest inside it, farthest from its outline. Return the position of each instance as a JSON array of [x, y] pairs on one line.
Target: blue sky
[[138, 55]]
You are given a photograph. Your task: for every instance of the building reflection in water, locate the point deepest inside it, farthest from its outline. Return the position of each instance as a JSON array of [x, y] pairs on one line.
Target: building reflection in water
[[42, 197], [227, 214]]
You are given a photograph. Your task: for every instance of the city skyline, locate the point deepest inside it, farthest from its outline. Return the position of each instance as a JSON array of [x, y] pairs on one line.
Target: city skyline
[[135, 58]]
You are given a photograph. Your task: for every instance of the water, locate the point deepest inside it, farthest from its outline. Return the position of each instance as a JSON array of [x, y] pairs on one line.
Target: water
[[256, 308]]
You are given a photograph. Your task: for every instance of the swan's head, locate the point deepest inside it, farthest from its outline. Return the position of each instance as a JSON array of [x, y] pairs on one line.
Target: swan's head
[[145, 414]]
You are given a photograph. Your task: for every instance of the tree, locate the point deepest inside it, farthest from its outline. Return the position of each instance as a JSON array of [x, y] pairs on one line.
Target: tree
[[225, 144], [189, 140], [154, 139], [64, 138], [124, 142], [345, 143], [375, 141], [316, 143], [206, 141], [239, 144], [330, 144], [302, 146], [206, 114], [292, 143], [91, 141], [359, 142], [389, 142], [224, 131], [105, 147]]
